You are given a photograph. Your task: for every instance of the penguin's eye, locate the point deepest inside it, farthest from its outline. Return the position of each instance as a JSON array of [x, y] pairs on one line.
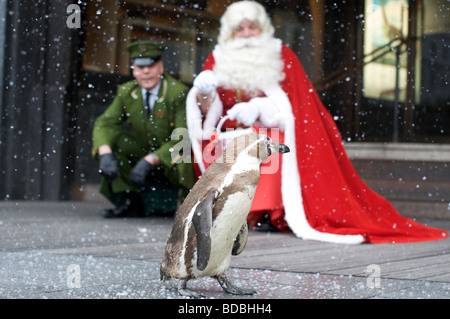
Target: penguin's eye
[[267, 142]]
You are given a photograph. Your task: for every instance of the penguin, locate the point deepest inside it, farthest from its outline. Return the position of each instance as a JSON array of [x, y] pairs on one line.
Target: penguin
[[211, 224]]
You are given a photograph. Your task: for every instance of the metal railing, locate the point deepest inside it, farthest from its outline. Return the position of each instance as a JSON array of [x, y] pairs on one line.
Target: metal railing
[[346, 71]]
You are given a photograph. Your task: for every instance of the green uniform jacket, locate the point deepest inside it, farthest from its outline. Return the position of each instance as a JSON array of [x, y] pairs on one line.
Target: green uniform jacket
[[125, 127]]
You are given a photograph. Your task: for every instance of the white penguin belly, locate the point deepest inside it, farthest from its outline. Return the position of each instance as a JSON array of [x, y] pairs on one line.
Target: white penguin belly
[[224, 230]]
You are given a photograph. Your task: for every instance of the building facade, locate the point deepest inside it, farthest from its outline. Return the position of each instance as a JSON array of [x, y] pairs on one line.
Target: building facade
[[381, 67]]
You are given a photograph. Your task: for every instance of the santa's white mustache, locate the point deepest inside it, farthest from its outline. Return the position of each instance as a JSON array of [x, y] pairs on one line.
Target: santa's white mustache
[[251, 42]]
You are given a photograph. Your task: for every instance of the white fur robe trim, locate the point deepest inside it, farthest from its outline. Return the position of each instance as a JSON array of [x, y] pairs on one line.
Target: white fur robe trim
[[291, 184], [199, 131]]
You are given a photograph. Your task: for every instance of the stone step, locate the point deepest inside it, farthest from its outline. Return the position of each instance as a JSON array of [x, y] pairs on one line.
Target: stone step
[[405, 161], [414, 190], [422, 209], [402, 170], [415, 199]]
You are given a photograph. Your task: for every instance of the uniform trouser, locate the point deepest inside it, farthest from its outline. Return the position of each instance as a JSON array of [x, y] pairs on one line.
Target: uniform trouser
[[159, 197]]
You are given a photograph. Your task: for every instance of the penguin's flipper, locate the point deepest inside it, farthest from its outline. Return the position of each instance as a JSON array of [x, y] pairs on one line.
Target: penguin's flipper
[[241, 240], [202, 221]]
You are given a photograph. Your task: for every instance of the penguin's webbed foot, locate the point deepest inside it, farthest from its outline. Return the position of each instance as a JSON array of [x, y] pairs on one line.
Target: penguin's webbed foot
[[184, 291], [228, 287]]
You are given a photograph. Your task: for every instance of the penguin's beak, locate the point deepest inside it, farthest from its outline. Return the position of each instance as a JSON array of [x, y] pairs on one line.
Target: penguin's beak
[[279, 148]]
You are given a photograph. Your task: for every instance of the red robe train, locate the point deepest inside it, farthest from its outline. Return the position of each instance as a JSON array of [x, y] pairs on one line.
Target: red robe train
[[318, 194]]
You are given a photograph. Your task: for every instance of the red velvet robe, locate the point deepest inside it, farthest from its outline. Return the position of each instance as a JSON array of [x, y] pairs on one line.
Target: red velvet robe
[[335, 200]]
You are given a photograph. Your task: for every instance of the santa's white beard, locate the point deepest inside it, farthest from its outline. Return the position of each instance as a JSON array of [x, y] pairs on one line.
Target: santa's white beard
[[250, 64]]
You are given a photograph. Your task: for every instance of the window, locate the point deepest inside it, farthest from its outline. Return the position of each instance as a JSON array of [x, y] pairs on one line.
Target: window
[[386, 25], [432, 112], [187, 29], [406, 89]]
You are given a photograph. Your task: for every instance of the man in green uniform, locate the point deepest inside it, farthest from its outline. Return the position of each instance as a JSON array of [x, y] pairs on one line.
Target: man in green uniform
[[132, 139]]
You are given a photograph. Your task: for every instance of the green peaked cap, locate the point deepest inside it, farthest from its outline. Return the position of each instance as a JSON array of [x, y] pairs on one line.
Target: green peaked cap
[[146, 52]]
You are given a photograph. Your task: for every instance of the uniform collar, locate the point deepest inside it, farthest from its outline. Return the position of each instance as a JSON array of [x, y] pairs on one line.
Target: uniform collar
[[154, 91], [160, 89]]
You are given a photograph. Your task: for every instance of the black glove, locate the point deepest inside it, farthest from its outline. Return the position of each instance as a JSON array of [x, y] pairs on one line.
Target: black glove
[[108, 167], [138, 174]]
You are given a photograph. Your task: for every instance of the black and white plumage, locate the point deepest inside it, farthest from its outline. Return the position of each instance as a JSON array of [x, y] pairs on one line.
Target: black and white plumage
[[211, 224]]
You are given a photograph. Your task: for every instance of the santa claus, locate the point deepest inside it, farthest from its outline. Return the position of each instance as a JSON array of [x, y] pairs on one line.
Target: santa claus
[[252, 80]]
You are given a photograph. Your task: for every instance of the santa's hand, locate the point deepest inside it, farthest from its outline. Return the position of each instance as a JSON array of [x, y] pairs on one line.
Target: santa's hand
[[205, 82], [246, 113]]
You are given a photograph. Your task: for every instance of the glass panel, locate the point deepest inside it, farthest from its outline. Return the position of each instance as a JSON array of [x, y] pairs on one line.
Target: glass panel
[[386, 23], [432, 111]]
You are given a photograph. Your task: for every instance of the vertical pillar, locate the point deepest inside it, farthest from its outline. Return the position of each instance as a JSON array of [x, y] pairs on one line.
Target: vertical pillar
[[317, 11], [37, 76], [411, 51]]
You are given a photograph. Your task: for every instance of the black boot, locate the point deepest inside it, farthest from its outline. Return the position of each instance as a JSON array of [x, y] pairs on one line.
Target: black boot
[[264, 224], [130, 206]]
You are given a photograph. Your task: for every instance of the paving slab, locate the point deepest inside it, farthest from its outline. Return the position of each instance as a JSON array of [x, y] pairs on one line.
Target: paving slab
[[66, 250]]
